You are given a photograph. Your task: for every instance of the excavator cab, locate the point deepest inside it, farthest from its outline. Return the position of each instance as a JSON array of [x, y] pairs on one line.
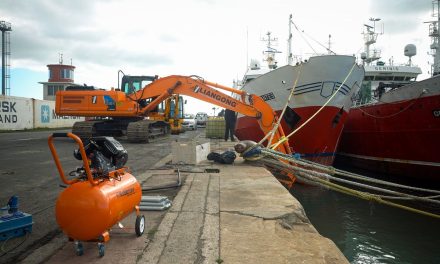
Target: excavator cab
[[132, 84], [165, 111]]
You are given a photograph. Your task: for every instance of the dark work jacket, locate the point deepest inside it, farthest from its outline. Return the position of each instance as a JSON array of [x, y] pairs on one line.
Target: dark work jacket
[[230, 116]]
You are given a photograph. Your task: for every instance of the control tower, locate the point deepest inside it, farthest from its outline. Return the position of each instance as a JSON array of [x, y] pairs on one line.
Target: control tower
[[60, 76]]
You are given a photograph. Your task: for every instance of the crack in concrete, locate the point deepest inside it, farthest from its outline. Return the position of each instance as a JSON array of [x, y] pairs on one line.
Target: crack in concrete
[[219, 219], [169, 233], [213, 214], [219, 224], [200, 242], [251, 215], [289, 218], [175, 220]]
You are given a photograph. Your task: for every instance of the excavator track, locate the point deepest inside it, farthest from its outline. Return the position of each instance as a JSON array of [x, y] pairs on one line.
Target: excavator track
[[85, 129], [147, 131]]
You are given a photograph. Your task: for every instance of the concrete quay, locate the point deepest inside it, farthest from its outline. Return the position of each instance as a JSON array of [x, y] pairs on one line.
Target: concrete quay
[[241, 214]]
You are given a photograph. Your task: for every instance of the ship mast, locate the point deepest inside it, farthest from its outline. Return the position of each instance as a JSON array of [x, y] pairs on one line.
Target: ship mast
[[270, 52], [434, 34], [370, 37], [329, 44], [289, 43]]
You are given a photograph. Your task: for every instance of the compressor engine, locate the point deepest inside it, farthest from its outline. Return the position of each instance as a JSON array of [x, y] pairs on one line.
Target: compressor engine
[[105, 154]]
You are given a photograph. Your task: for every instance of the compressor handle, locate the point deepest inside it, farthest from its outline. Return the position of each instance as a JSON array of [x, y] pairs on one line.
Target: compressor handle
[[83, 156]]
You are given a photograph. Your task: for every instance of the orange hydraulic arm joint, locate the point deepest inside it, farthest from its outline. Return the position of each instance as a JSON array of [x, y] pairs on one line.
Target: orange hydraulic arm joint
[[196, 87]]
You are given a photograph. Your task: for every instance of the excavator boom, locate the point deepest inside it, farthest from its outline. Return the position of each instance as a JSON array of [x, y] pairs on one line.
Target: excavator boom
[[247, 104]]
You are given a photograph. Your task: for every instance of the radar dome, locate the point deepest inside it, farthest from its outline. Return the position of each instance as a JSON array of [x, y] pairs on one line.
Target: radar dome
[[410, 50], [363, 55], [255, 64]]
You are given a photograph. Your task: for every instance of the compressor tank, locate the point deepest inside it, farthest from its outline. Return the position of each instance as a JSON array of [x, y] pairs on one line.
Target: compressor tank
[[84, 211]]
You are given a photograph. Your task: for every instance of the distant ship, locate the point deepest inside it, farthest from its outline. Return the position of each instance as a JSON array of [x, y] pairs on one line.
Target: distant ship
[[395, 126], [328, 82]]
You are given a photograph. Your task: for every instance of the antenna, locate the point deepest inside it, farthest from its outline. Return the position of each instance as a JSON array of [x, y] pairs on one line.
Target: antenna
[[374, 20], [270, 52], [269, 40], [247, 47], [370, 37], [329, 44], [60, 59]]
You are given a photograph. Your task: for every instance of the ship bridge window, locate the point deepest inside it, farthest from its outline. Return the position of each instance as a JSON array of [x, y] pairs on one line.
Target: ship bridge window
[[410, 79], [399, 78], [248, 80], [368, 78], [383, 78]]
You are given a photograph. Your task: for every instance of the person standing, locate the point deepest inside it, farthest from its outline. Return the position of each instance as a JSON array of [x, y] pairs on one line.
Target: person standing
[[230, 120]]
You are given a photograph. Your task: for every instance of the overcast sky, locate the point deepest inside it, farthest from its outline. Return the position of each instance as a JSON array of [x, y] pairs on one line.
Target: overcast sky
[[210, 38]]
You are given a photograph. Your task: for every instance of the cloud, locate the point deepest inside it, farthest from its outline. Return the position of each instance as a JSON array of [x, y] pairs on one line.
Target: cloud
[[400, 7], [402, 16], [398, 26], [207, 37], [42, 29], [113, 56], [168, 38]]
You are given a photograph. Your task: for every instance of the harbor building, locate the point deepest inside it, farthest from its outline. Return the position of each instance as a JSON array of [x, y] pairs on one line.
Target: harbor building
[[60, 76]]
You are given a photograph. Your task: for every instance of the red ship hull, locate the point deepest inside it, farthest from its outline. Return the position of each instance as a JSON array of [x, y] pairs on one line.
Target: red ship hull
[[401, 138], [316, 141]]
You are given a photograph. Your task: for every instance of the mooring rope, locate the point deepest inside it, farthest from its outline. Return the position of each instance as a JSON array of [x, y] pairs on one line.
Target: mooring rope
[[285, 106], [412, 102], [361, 185], [336, 187], [334, 171], [319, 174]]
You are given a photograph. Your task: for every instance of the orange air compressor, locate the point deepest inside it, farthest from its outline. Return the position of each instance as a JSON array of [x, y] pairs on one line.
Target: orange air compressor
[[101, 193]]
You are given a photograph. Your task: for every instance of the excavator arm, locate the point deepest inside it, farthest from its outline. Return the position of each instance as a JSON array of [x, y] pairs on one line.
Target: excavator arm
[[196, 87]]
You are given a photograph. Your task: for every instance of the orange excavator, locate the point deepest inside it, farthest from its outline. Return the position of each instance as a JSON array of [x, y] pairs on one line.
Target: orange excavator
[[133, 108]]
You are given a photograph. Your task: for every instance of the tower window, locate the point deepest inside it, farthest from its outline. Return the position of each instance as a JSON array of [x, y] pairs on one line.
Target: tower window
[[66, 74], [53, 89]]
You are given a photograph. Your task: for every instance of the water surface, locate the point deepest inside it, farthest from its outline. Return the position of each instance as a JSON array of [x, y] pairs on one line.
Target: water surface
[[368, 232]]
